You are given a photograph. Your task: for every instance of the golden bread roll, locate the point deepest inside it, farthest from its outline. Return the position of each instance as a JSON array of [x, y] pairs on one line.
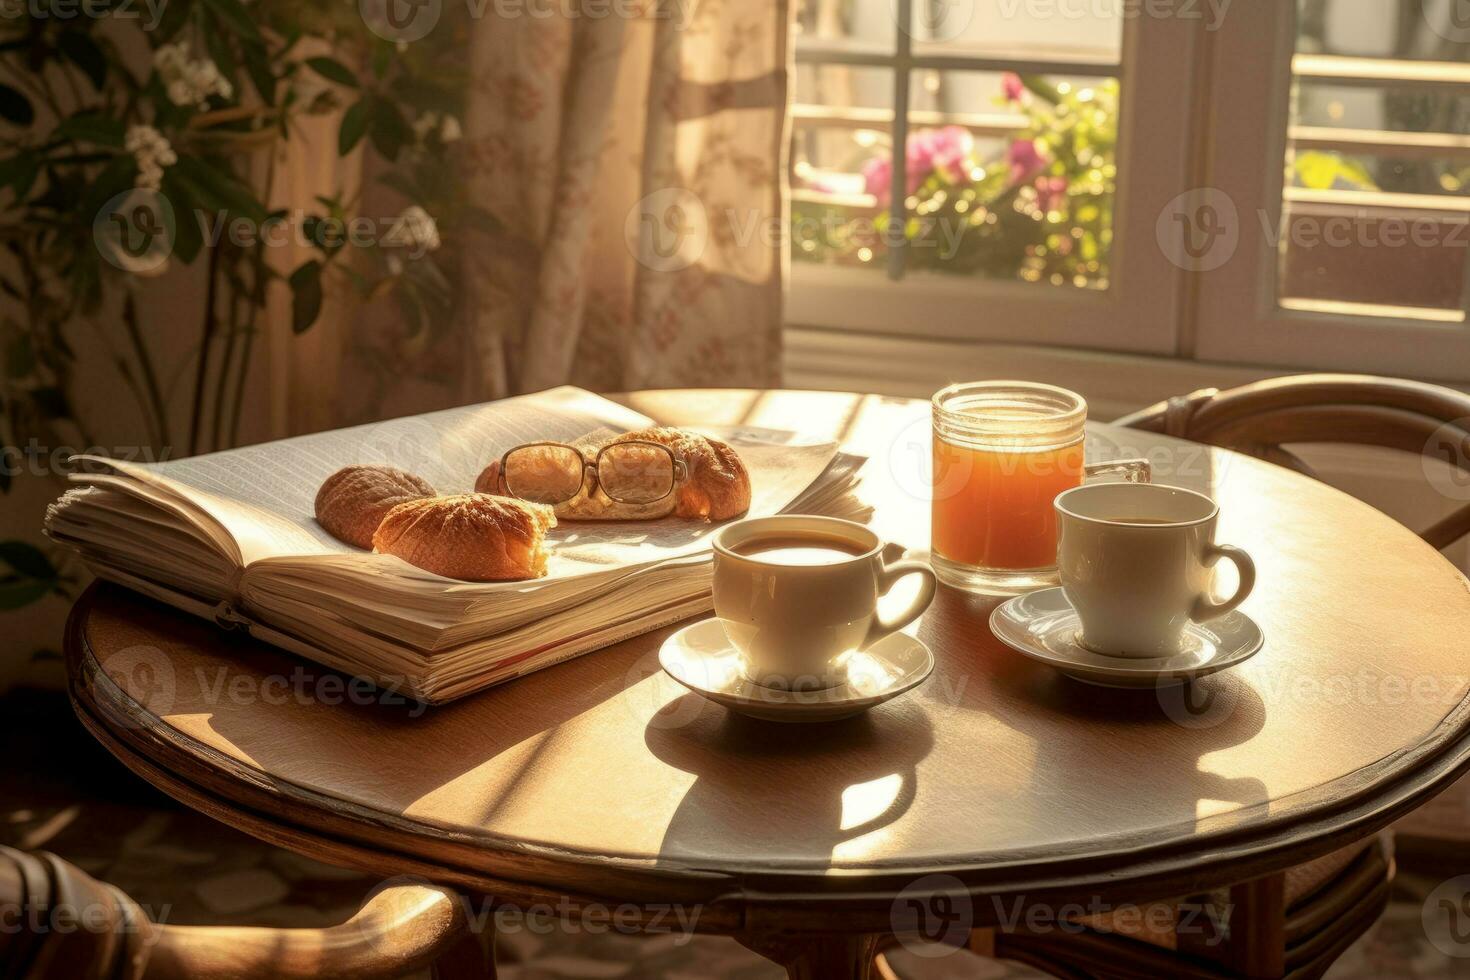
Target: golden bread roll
[[352, 501], [717, 486], [473, 536], [541, 473]]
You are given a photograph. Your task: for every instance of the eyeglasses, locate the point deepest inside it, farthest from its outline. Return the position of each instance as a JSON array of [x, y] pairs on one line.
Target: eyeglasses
[[633, 472]]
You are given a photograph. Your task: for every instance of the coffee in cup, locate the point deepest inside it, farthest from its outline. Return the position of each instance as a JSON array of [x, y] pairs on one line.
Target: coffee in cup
[[798, 596]]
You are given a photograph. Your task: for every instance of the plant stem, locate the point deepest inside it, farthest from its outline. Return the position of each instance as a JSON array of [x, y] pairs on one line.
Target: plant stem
[[145, 365], [233, 326], [205, 345]]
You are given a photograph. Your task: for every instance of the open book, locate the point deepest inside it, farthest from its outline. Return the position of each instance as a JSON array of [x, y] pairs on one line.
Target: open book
[[231, 536]]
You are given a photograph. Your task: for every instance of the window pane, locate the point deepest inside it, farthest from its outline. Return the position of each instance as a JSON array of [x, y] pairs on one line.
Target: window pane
[[1414, 30], [1378, 166], [853, 24], [1086, 30]]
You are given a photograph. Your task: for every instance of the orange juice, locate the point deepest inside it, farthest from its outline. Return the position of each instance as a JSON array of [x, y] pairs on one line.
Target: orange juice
[[993, 504]]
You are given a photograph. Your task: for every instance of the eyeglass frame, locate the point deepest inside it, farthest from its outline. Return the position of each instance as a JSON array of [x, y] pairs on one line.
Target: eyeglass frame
[[590, 468]]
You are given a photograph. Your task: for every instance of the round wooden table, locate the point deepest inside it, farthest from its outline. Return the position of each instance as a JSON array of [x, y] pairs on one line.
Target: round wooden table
[[603, 783]]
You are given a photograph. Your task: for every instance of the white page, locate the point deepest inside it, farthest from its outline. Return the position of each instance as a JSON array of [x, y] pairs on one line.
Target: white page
[[264, 495]]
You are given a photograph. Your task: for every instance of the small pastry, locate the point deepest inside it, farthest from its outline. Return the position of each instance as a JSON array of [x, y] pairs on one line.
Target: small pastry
[[353, 500], [716, 484], [473, 536]]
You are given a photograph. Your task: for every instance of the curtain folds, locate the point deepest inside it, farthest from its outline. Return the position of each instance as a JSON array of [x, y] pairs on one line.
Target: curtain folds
[[635, 165]]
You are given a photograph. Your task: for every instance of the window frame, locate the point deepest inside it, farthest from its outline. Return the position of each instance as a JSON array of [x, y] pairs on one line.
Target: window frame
[[1144, 302], [1239, 316]]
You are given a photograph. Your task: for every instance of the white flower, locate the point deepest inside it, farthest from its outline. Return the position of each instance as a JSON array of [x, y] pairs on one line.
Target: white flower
[[425, 124], [450, 131], [152, 152], [416, 229], [189, 81]]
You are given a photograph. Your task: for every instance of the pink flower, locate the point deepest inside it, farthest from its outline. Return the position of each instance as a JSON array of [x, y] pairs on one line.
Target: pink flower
[[1051, 193], [1025, 158], [944, 151], [878, 176], [1012, 87]]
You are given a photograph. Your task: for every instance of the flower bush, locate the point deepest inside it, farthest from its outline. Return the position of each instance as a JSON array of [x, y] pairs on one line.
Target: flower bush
[[191, 109], [1040, 209]]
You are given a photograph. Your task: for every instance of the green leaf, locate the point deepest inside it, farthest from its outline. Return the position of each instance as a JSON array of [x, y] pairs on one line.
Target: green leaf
[[15, 107], [92, 127], [258, 67], [217, 43], [354, 124], [174, 16], [235, 16], [26, 559], [216, 189], [82, 51], [306, 296], [389, 131], [19, 173], [17, 592], [333, 71], [188, 237]]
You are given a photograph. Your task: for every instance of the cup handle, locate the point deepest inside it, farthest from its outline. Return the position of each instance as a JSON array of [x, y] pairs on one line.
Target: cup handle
[[886, 579], [1133, 470], [1206, 608]]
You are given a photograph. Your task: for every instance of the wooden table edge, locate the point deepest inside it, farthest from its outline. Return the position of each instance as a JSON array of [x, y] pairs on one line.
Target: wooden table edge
[[785, 898]]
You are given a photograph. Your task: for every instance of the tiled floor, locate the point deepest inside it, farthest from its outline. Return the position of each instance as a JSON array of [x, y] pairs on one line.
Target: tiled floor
[[62, 792]]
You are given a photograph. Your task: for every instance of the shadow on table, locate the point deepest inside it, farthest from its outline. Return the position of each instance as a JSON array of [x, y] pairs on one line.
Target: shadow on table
[[1079, 762], [787, 792]]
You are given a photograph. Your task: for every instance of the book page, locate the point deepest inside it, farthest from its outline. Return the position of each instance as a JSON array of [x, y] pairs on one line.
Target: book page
[[264, 495]]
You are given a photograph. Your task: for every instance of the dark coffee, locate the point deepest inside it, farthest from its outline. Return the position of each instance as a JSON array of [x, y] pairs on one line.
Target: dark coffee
[[800, 549]]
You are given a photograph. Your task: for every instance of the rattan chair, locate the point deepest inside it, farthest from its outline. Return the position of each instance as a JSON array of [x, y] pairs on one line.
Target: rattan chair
[[61, 922]]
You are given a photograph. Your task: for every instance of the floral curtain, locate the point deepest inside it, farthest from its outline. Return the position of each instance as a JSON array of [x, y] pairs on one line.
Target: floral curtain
[[635, 165]]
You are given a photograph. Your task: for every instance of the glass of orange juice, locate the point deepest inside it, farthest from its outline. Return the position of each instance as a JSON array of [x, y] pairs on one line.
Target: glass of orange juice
[[1003, 450]]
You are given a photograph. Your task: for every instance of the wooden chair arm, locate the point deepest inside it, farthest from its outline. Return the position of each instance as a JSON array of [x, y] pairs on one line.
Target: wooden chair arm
[[401, 929]]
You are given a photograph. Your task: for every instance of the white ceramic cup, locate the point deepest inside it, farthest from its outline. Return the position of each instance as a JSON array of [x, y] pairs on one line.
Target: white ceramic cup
[[1137, 562], [797, 626]]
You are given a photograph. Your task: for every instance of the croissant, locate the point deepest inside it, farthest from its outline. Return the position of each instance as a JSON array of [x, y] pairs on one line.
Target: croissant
[[352, 501], [473, 536]]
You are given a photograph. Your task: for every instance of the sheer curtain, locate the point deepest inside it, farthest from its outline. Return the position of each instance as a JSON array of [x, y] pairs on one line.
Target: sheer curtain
[[636, 165]]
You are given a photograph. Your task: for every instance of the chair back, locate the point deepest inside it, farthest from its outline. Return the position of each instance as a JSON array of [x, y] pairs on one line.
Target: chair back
[[1262, 419]]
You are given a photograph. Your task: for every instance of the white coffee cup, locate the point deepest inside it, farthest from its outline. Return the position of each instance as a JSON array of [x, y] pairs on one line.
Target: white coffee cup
[[798, 625], [1137, 563]]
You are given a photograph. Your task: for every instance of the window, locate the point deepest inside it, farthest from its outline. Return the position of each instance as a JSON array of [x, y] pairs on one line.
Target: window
[[1279, 184], [1024, 147], [1354, 254]]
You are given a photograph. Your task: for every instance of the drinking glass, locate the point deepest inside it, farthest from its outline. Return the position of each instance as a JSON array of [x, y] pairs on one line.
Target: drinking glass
[[1003, 450]]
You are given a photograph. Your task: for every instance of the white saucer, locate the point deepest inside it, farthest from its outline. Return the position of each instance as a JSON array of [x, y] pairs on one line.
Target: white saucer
[[1043, 626], [701, 658]]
